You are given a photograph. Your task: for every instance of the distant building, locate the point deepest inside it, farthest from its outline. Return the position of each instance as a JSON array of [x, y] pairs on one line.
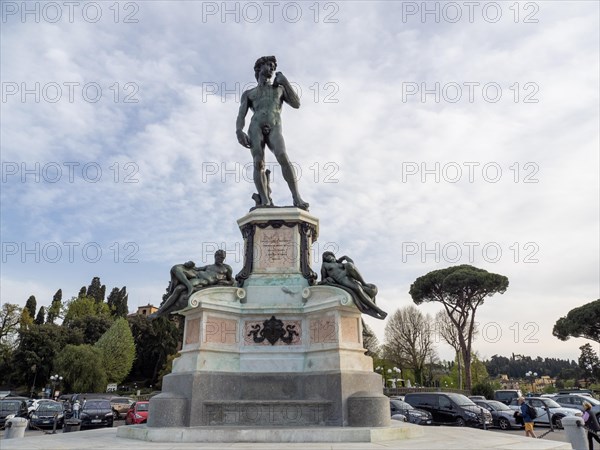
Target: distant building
[[145, 310], [507, 383]]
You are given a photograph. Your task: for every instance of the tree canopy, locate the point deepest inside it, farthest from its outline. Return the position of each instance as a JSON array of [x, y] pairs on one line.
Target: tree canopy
[[79, 307], [82, 367], [583, 321], [31, 305], [461, 290], [117, 302], [55, 307], [118, 350]]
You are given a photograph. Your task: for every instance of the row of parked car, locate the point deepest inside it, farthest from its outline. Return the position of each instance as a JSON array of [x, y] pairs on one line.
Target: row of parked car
[[444, 408], [93, 412]]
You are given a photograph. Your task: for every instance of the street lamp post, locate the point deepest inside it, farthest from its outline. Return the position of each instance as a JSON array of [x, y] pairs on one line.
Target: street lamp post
[[34, 370], [56, 379], [381, 370], [532, 376]]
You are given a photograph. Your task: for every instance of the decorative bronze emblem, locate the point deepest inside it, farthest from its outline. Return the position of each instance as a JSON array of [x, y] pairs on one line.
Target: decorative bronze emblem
[[272, 331]]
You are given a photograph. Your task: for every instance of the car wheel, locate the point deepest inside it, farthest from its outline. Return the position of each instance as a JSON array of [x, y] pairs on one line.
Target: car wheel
[[504, 424], [460, 422], [557, 422]]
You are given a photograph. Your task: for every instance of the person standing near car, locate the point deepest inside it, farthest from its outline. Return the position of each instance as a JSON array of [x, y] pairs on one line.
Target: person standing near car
[[592, 425], [527, 419], [76, 409]]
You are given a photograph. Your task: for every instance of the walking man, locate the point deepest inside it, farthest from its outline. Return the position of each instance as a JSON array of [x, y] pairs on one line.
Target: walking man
[[527, 419]]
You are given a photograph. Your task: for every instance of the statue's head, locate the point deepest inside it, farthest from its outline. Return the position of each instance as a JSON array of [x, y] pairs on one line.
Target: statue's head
[[189, 264], [220, 255], [263, 60], [328, 256]]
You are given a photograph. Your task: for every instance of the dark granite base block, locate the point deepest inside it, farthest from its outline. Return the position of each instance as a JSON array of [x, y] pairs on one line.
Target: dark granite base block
[[265, 399]]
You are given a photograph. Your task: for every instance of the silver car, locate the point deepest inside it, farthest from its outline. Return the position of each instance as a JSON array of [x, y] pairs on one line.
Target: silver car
[[547, 410], [502, 415], [576, 401]]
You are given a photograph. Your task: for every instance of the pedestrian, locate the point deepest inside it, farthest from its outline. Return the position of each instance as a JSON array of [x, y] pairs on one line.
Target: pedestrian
[[591, 423], [527, 419], [76, 409]]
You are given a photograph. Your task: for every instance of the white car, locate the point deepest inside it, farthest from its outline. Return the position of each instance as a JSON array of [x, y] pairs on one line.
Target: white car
[[547, 410]]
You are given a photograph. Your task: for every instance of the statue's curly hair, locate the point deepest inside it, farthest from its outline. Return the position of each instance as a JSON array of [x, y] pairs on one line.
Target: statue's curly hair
[[327, 254], [260, 61]]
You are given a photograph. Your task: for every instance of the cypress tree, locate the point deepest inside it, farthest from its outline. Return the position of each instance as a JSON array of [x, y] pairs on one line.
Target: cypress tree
[[54, 310], [31, 305]]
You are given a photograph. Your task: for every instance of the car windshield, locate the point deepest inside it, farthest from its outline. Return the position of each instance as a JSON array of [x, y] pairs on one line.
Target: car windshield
[[119, 400], [142, 407], [91, 404], [498, 406], [550, 403], [50, 407], [10, 406], [461, 400], [399, 404]]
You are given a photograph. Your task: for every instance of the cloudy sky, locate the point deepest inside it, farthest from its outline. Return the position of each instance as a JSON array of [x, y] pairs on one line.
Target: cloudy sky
[[429, 135]]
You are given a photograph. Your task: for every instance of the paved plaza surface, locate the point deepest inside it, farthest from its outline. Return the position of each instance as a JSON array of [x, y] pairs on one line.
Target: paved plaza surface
[[447, 438]]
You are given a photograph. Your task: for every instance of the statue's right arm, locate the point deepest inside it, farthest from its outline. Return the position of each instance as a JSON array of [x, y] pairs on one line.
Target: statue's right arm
[[241, 121], [324, 273]]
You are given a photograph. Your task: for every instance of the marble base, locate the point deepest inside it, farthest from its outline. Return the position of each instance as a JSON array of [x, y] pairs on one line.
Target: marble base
[[396, 431], [268, 399], [276, 351]]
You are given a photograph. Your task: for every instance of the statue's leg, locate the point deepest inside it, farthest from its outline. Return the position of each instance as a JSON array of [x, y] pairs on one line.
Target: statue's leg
[[167, 306], [354, 273], [179, 274], [258, 159], [277, 145], [351, 284]]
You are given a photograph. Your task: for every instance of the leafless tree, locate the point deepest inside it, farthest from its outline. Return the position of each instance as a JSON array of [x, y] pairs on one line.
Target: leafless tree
[[370, 341], [409, 341]]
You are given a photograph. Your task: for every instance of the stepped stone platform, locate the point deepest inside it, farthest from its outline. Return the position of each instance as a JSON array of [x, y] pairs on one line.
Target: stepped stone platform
[[434, 438], [312, 434]]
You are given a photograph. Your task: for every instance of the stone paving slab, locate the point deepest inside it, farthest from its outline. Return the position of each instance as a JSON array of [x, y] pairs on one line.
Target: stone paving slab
[[446, 438]]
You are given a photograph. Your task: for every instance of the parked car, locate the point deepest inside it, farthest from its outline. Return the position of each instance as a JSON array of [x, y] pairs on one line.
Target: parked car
[[587, 392], [503, 416], [449, 408], [576, 401], [543, 406], [44, 414], [90, 396], [120, 406], [507, 395], [11, 407], [138, 413], [476, 397], [412, 414], [32, 405], [96, 413]]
